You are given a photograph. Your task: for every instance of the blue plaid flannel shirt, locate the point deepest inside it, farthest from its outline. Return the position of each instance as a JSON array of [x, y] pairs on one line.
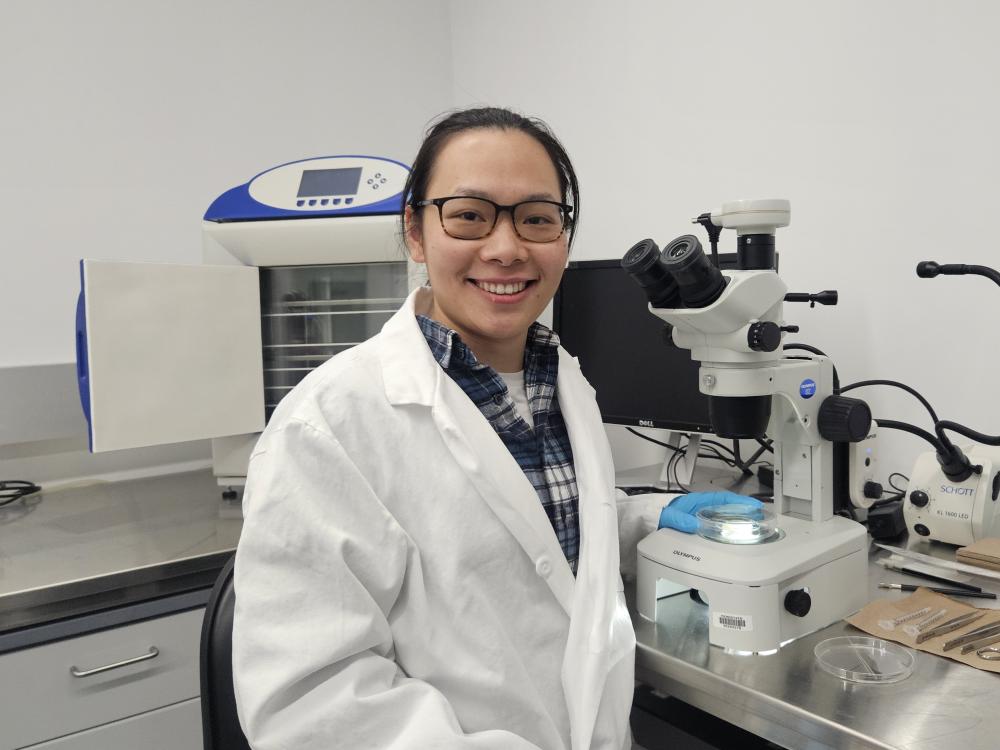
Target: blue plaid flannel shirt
[[544, 454]]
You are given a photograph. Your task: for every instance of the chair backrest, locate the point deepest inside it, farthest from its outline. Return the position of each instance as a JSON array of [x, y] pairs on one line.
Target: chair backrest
[[220, 725]]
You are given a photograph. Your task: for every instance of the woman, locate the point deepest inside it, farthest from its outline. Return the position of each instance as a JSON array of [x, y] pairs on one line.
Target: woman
[[429, 556]]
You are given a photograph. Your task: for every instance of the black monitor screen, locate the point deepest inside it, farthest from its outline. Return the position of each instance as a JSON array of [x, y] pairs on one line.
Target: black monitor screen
[[601, 317]]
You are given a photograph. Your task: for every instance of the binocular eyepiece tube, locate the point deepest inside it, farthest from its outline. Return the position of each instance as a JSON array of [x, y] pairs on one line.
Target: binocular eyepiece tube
[[679, 276]]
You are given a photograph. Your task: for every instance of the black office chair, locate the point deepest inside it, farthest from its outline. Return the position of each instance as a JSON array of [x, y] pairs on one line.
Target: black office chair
[[220, 725]]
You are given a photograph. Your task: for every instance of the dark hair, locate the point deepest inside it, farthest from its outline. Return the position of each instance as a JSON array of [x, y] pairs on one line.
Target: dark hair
[[495, 118]]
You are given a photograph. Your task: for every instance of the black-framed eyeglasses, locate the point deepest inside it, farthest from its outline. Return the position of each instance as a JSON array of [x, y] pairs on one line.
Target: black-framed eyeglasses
[[466, 218]]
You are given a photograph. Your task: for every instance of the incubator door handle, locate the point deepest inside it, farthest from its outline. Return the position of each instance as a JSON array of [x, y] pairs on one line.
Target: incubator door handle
[[153, 653]]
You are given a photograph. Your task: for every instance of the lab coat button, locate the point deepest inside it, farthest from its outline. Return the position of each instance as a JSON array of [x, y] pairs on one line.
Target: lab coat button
[[543, 567]]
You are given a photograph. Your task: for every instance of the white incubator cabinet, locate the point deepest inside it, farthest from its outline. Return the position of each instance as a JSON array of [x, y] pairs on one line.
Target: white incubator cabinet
[[303, 261]]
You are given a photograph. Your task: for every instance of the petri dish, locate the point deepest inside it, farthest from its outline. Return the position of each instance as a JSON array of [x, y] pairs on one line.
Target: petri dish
[[857, 658], [737, 523]]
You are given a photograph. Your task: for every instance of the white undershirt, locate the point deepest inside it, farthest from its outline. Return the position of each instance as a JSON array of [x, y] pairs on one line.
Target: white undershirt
[[519, 393]]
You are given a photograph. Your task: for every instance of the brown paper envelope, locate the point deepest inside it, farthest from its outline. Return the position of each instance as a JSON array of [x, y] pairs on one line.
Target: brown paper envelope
[[984, 549], [885, 609]]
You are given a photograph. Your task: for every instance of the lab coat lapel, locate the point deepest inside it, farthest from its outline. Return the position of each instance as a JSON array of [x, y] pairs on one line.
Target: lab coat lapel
[[598, 636], [501, 482], [412, 376]]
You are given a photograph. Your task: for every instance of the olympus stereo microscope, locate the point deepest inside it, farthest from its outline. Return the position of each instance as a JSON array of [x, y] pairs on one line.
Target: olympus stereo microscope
[[771, 576]]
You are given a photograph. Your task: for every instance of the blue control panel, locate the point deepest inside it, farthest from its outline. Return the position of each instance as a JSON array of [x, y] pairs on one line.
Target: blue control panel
[[322, 186]]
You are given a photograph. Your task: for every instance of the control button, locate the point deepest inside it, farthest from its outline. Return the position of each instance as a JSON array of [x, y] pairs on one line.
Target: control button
[[300, 203], [922, 530], [348, 201], [872, 490], [996, 486], [798, 602], [375, 186], [868, 462], [543, 567], [335, 201], [919, 498], [370, 181], [377, 175], [383, 180], [324, 202]]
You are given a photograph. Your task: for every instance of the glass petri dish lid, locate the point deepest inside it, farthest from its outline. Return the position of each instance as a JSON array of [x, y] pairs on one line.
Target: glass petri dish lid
[[737, 523], [858, 658]]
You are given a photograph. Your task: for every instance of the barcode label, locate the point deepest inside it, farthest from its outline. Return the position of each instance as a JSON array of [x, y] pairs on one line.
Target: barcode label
[[732, 622]]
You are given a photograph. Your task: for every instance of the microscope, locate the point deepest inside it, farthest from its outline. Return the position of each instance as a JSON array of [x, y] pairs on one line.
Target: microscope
[[807, 567]]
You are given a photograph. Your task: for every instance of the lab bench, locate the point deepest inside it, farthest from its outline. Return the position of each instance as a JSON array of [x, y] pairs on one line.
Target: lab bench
[[102, 592], [96, 575], [786, 699]]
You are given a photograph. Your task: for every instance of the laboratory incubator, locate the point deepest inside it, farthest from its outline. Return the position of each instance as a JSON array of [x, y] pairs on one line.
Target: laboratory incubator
[[301, 262]]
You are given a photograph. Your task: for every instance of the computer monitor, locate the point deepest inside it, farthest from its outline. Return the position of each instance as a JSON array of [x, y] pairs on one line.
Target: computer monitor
[[601, 316]]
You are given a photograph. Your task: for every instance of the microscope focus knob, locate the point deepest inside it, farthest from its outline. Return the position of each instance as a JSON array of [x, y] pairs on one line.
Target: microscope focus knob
[[764, 336], [844, 420], [919, 498], [798, 602]]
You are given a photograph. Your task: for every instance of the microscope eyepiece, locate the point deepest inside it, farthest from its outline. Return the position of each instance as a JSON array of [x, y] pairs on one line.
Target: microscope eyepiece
[[643, 263], [699, 282]]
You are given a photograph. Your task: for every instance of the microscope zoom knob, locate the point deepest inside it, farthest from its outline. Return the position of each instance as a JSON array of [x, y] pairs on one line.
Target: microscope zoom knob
[[919, 498], [844, 420], [764, 336], [798, 602]]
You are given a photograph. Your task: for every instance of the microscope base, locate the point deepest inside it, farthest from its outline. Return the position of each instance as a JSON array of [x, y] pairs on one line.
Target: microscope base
[[761, 596]]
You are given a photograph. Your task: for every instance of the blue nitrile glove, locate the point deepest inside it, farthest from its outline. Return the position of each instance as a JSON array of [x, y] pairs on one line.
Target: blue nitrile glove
[[680, 513]]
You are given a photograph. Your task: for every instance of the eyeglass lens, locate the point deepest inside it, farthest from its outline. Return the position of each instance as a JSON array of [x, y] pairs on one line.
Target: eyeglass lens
[[474, 218]]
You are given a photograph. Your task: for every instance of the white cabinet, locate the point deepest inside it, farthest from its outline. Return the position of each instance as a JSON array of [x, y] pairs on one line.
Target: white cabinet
[[176, 727], [146, 672]]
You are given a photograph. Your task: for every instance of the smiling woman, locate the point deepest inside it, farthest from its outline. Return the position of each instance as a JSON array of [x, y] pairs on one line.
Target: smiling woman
[[429, 556], [491, 279]]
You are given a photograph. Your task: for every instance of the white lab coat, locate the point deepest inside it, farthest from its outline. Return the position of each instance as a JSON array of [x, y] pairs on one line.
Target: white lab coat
[[398, 583]]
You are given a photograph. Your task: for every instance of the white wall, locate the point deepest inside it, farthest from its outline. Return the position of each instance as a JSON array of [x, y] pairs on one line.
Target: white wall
[[878, 120], [123, 120]]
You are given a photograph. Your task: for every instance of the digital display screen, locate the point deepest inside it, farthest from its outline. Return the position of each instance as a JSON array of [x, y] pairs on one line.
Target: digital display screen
[[317, 182]]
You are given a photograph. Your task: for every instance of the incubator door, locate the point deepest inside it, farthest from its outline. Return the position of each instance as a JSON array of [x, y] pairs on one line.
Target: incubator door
[[168, 353]]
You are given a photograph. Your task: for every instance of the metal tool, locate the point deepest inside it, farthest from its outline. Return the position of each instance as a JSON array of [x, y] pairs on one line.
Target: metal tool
[[937, 590], [906, 617], [978, 644], [990, 653], [950, 626], [986, 630], [932, 577]]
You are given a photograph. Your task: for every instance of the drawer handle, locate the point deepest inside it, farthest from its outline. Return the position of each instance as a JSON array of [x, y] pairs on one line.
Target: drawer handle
[[153, 653]]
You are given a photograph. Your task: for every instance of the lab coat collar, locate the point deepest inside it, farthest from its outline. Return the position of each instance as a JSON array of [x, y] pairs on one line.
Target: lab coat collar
[[405, 354]]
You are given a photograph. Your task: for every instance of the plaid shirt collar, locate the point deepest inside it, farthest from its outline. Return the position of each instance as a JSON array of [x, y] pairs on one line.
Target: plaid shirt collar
[[447, 347]]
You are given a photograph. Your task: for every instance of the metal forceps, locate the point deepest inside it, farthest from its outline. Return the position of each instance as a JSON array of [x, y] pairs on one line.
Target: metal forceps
[[974, 635], [950, 625]]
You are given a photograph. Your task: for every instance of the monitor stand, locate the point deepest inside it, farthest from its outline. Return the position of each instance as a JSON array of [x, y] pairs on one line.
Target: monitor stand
[[679, 468]]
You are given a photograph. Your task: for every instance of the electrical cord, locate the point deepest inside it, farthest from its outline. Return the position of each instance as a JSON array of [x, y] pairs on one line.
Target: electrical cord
[[892, 424], [961, 429], [900, 490], [13, 490], [894, 384]]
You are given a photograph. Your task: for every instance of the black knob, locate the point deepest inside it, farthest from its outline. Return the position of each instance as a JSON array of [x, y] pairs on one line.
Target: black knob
[[844, 420], [763, 336], [922, 530], [873, 490], [798, 602], [919, 498]]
